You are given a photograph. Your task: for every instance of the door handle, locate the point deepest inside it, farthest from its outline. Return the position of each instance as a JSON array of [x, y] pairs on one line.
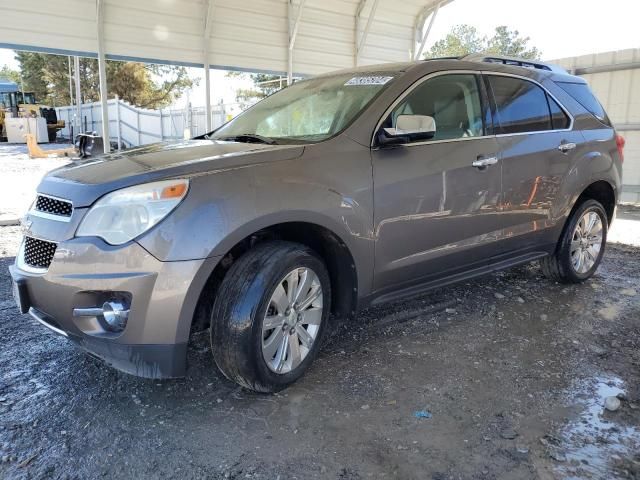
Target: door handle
[[485, 162], [565, 147]]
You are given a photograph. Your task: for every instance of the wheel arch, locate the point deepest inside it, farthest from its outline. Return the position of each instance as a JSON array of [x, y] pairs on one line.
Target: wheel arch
[[603, 192], [328, 245]]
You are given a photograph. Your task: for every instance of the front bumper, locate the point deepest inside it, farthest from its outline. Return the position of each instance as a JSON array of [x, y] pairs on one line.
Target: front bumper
[[85, 271]]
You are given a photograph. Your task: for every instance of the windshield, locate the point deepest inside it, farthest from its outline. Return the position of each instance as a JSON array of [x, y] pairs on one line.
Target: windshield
[[29, 98], [307, 111]]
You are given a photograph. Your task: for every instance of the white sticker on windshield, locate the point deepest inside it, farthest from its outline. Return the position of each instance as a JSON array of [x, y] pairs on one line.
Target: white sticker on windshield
[[376, 80]]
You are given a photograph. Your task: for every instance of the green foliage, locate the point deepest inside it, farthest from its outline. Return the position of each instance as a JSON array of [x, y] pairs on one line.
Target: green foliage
[[509, 42], [12, 75], [143, 85], [465, 39]]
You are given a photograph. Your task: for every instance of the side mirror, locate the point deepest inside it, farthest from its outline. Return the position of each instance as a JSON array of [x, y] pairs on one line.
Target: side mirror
[[408, 128]]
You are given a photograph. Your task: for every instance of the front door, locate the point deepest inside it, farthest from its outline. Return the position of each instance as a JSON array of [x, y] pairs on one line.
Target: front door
[[435, 212]]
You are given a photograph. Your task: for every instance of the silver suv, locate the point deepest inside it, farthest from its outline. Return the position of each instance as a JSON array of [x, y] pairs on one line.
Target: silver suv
[[342, 191]]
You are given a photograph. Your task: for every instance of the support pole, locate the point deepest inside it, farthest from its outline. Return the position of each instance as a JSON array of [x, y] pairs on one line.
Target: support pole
[[69, 123], [118, 128], [426, 33], [70, 83], [362, 41], [207, 84], [76, 72], [293, 33], [208, 19], [102, 73]]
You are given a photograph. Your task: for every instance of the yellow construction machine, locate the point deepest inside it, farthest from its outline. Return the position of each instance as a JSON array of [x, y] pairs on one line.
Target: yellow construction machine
[[15, 103]]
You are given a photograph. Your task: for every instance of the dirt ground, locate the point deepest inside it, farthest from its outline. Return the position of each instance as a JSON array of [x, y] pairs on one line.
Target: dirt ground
[[503, 377]]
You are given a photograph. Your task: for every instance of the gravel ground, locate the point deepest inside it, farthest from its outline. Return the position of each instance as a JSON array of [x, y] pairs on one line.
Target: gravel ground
[[20, 177], [503, 377]]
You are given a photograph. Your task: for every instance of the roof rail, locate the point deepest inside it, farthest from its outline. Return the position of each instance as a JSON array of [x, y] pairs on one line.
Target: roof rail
[[517, 62]]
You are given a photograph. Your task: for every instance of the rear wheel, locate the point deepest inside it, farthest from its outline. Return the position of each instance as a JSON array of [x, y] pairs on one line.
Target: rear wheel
[[269, 316], [581, 246]]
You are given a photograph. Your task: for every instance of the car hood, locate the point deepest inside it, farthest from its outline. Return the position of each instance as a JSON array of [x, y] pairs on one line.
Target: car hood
[[85, 181]]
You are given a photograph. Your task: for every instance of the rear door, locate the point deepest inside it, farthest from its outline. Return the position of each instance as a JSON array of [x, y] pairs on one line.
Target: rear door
[[537, 147], [436, 213]]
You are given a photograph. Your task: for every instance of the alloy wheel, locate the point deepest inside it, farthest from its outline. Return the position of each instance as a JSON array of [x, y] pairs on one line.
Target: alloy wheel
[[292, 321], [586, 242]]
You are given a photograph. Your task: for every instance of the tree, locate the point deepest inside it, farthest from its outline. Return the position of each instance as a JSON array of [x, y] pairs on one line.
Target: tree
[[509, 42], [143, 85], [465, 39], [9, 74]]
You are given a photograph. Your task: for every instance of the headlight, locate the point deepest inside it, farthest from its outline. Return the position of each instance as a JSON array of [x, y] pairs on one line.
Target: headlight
[[123, 215]]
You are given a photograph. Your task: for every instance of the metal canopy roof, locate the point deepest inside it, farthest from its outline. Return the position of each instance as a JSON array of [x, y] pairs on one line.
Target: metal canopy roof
[[251, 35], [302, 37]]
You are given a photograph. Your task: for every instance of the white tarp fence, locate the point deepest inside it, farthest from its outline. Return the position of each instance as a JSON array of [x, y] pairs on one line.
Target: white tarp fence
[[138, 126]]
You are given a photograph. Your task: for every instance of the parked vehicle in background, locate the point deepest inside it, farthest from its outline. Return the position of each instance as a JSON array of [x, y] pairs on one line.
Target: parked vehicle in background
[[342, 191]]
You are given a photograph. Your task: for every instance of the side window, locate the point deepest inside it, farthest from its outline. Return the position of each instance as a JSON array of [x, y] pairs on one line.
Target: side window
[[521, 106], [452, 100], [559, 119]]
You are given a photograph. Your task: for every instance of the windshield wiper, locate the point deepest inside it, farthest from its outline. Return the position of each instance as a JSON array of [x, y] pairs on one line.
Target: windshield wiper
[[248, 138]]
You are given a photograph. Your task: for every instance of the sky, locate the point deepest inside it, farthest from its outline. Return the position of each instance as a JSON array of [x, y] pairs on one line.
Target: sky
[[559, 28]]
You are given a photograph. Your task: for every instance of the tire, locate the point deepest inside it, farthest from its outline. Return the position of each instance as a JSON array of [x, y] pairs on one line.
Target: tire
[[561, 266], [242, 349]]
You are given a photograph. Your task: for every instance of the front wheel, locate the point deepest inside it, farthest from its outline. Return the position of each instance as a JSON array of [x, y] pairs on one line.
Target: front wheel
[[581, 246], [269, 315]]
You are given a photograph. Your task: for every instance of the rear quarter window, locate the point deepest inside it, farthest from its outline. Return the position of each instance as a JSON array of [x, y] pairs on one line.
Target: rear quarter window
[[559, 119], [585, 97]]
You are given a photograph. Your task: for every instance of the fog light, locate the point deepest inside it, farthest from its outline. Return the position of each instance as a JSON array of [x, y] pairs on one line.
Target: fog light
[[115, 314]]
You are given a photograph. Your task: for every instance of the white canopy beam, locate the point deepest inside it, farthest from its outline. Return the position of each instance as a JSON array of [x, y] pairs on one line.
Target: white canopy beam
[[208, 22], [102, 74], [360, 43], [293, 33], [425, 35]]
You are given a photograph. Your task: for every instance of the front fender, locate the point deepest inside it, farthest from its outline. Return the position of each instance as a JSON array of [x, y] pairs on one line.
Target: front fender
[[224, 208]]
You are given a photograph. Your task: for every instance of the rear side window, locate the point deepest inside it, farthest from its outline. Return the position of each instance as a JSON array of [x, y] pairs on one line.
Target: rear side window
[[521, 106], [559, 119], [585, 97]]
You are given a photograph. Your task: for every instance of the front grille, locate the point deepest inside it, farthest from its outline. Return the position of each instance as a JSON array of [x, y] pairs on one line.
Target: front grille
[[38, 253], [53, 206]]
